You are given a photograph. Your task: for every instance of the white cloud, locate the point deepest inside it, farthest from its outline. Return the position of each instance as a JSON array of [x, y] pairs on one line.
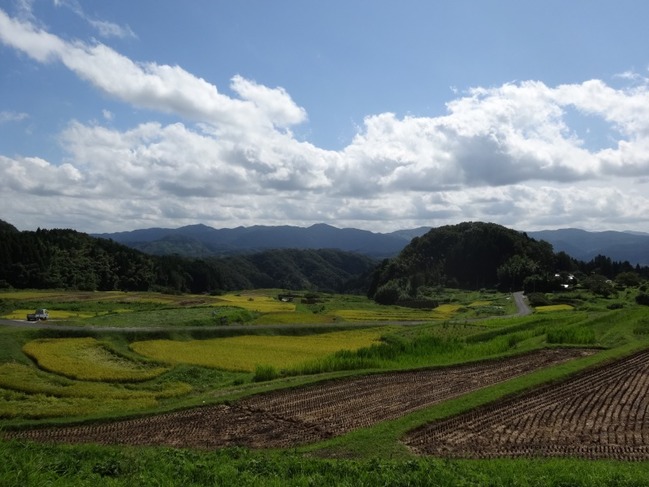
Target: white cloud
[[25, 9], [109, 29], [36, 176], [104, 28], [165, 88], [276, 102], [9, 116], [506, 154]]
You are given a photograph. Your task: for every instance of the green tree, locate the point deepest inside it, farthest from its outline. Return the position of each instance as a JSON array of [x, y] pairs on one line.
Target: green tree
[[628, 279], [513, 272], [598, 284]]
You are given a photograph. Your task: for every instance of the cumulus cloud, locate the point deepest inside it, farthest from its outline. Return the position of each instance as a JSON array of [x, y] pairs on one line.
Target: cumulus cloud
[[36, 176], [505, 153], [165, 88]]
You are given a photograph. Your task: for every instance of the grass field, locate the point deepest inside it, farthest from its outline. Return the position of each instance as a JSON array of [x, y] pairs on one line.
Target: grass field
[[55, 376]]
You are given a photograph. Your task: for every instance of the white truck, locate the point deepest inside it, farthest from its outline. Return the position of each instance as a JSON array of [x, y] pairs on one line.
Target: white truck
[[41, 314]]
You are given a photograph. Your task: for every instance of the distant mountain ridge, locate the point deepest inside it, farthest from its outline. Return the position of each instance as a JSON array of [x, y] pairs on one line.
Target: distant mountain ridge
[[203, 241], [582, 245]]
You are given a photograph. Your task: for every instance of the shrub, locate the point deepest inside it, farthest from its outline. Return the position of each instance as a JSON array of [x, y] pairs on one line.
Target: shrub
[[264, 373], [387, 295], [642, 327], [643, 299], [537, 299]]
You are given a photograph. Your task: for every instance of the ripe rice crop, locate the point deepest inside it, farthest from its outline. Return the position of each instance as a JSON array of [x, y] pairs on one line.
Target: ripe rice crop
[[244, 353], [87, 359], [553, 307], [261, 304], [27, 392], [23, 378], [447, 310], [14, 404], [24, 295]]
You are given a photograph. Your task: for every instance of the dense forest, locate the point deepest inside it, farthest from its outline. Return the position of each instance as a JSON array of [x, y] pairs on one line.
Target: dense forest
[[67, 259], [474, 255]]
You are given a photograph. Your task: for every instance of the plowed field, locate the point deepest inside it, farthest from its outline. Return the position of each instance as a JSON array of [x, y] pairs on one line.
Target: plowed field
[[292, 417], [600, 413]]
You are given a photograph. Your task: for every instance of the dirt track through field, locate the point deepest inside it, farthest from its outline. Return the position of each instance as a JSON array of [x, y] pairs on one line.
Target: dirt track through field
[[292, 417], [600, 413]]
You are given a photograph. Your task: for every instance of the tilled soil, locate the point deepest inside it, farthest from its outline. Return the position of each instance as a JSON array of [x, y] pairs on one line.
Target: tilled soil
[[292, 417], [600, 413]]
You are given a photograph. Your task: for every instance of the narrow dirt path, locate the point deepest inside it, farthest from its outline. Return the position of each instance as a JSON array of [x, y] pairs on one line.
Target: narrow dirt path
[[521, 304]]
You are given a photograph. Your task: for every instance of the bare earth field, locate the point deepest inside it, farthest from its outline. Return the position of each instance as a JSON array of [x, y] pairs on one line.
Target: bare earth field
[[600, 413], [293, 417]]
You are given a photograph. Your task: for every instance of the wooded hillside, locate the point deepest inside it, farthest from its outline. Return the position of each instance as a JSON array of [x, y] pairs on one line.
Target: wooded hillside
[[474, 255], [68, 259]]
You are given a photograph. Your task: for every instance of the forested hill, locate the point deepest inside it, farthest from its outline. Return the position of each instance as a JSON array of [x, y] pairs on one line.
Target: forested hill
[[475, 255], [467, 255], [67, 259]]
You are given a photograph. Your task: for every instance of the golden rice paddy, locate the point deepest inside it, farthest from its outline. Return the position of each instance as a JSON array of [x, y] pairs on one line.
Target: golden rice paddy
[[87, 359], [254, 302], [553, 307], [245, 353]]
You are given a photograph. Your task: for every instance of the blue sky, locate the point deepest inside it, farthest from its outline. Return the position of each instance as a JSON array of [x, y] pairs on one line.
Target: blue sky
[[380, 115]]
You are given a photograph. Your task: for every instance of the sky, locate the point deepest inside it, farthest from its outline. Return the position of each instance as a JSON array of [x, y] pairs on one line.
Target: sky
[[373, 114]]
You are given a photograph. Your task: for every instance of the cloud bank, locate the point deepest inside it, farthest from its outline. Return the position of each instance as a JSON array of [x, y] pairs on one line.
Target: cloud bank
[[516, 154]]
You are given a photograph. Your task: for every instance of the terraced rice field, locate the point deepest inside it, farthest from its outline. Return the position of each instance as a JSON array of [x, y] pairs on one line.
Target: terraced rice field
[[87, 359], [246, 352], [601, 413], [292, 417]]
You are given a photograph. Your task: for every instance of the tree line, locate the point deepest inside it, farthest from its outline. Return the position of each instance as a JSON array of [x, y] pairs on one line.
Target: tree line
[[470, 255], [67, 259]]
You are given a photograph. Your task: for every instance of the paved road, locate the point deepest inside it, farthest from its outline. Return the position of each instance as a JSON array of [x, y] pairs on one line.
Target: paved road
[[521, 304]]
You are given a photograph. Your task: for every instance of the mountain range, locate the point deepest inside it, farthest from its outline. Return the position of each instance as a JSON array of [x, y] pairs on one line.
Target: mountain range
[[202, 241]]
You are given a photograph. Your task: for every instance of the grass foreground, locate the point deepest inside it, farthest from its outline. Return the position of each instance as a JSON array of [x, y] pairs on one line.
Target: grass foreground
[[40, 465]]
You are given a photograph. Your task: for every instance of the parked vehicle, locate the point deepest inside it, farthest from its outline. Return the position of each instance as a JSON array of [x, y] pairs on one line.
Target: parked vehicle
[[41, 314]]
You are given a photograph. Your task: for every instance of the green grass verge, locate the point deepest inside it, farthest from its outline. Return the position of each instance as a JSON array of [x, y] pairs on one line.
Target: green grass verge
[[81, 466]]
